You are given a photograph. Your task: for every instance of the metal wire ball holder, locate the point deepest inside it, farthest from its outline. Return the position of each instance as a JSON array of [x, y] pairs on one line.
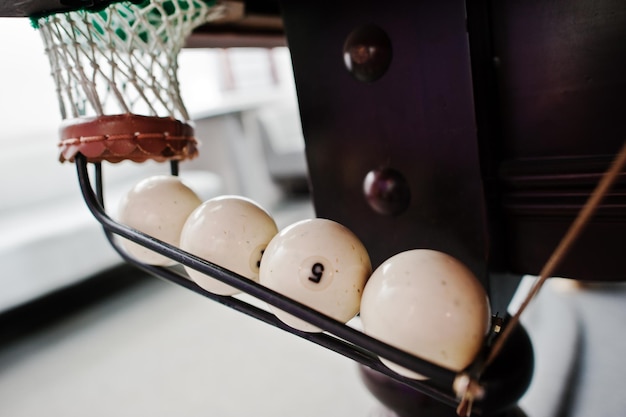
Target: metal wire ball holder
[[115, 73], [336, 336]]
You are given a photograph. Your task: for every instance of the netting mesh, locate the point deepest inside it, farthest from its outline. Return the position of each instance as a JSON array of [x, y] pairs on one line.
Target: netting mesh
[[122, 59]]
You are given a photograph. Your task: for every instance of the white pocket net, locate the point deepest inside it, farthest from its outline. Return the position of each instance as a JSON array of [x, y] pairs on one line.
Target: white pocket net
[[115, 71]]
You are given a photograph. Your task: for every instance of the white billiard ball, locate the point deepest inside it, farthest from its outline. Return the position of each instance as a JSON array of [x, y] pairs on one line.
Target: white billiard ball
[[229, 231], [319, 263], [429, 304], [159, 207]]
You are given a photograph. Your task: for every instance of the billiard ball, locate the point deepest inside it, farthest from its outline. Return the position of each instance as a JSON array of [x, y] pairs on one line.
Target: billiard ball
[[158, 206], [429, 304], [229, 231], [319, 263]]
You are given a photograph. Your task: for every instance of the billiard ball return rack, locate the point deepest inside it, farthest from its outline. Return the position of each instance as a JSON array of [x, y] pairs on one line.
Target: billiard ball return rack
[[342, 338], [336, 336]]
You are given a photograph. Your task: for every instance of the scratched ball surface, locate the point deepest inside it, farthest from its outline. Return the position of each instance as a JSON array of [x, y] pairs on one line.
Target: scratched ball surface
[[429, 304], [319, 263], [229, 231], [159, 207]]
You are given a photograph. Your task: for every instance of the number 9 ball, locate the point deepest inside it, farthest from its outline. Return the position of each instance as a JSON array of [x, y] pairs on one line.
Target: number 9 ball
[[319, 263]]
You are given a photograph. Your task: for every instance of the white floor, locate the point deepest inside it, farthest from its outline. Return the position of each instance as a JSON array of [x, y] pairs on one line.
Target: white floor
[[159, 350]]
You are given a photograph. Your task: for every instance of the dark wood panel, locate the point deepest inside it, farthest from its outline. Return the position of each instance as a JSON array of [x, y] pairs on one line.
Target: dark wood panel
[[417, 119], [559, 68], [500, 142], [26, 8], [255, 23]]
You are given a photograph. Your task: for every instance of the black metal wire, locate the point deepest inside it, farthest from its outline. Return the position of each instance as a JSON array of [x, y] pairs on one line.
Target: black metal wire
[[174, 167], [338, 336]]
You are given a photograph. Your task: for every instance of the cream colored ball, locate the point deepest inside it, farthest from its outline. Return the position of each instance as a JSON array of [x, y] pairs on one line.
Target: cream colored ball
[[429, 304], [229, 231], [159, 207], [319, 263]]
